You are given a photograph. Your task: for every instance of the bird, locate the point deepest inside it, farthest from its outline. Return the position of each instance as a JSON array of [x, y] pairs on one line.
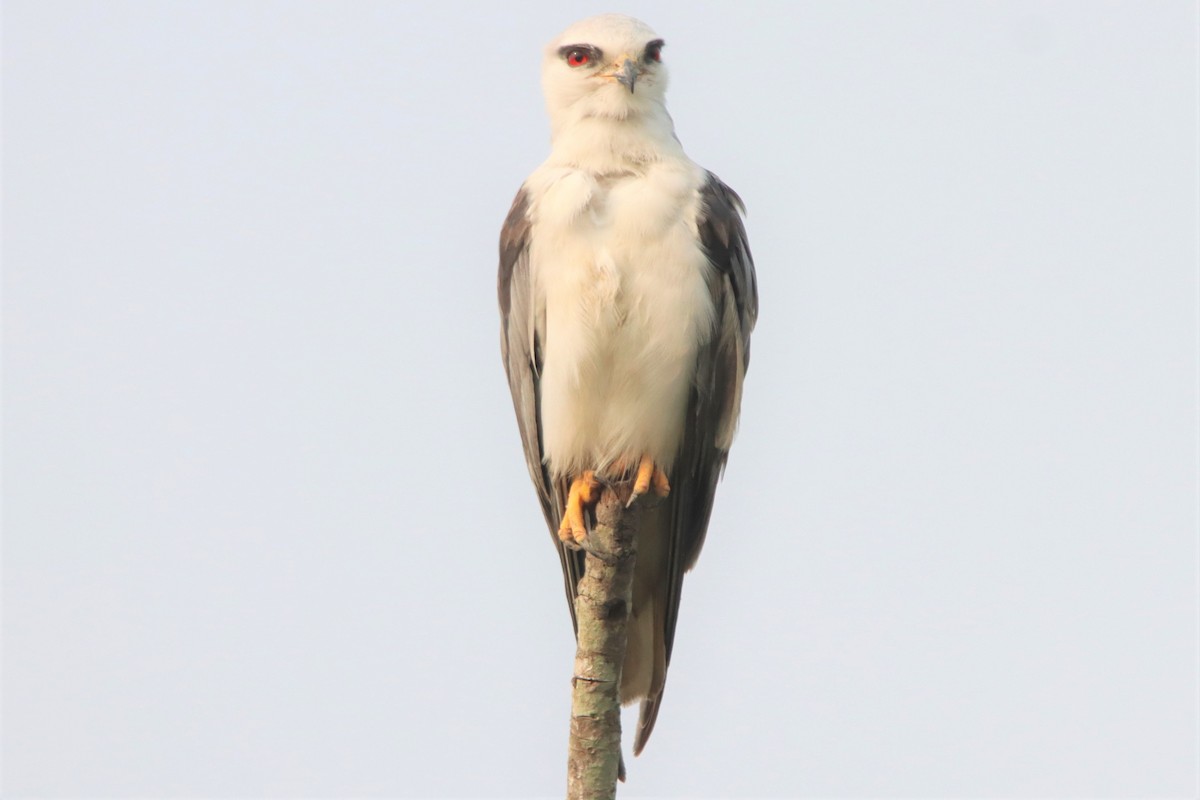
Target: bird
[[627, 296]]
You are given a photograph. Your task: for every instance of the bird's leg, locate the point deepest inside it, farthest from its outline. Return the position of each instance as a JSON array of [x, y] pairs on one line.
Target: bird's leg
[[649, 476], [584, 492]]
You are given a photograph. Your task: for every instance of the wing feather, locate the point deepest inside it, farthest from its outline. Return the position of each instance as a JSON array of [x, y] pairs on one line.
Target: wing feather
[[713, 405], [522, 334]]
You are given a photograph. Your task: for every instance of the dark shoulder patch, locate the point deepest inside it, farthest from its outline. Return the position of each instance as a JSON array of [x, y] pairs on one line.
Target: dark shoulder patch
[[514, 237], [724, 238]]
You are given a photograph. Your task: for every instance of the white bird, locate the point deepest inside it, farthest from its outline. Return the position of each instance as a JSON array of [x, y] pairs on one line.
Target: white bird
[[627, 298]]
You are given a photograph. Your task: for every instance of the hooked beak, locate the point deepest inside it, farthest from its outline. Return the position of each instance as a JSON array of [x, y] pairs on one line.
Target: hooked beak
[[626, 72]]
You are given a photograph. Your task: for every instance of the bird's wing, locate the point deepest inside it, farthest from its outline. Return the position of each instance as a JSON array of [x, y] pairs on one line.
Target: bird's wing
[[713, 404], [522, 334]]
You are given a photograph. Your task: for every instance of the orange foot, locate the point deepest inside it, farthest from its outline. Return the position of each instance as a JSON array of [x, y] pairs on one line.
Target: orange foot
[[649, 477], [584, 492]]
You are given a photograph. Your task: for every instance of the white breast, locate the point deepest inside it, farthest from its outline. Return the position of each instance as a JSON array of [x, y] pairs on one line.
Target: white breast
[[620, 274]]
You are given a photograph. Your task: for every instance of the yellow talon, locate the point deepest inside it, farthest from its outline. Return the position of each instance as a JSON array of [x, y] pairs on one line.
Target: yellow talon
[[583, 494], [650, 476]]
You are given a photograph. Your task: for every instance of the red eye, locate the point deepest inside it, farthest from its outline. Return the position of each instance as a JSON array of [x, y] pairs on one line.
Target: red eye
[[577, 58]]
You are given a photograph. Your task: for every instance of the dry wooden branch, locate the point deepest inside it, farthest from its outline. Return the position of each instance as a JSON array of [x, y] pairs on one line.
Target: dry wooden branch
[[602, 612]]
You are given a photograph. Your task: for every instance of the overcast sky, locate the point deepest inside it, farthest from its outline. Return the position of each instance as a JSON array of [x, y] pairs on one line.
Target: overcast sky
[[267, 527]]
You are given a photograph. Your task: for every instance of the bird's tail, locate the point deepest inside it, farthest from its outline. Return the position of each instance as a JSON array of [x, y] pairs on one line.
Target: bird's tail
[[646, 718]]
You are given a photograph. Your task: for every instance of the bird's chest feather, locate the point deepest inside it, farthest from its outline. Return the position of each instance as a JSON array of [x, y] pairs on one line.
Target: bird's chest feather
[[619, 262], [623, 283]]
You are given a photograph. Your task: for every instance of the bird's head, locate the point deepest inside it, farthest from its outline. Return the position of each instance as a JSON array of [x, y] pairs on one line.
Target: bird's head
[[607, 67]]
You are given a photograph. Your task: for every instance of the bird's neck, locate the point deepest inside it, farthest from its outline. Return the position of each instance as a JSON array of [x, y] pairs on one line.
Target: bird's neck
[[609, 145]]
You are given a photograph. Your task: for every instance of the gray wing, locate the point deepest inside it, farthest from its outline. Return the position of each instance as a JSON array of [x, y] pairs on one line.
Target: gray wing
[[712, 406], [521, 337]]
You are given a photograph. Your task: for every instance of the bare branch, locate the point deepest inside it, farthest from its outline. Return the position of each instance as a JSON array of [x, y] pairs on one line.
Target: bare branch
[[602, 612]]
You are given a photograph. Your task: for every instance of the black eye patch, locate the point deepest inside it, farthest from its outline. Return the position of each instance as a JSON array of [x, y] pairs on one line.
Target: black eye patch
[[579, 54], [654, 51]]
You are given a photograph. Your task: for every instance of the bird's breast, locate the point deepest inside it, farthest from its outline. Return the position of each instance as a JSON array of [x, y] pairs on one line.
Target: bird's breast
[[623, 282]]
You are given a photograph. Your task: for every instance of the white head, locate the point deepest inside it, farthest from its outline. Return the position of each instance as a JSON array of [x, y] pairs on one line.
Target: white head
[[607, 67]]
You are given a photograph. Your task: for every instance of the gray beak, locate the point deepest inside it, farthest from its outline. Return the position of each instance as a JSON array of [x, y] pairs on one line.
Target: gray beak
[[627, 74]]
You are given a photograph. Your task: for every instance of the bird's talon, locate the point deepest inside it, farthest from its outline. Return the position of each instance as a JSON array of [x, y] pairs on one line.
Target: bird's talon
[[649, 476], [583, 494]]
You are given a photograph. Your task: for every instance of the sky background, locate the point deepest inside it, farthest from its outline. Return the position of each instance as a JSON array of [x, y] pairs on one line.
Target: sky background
[[267, 527]]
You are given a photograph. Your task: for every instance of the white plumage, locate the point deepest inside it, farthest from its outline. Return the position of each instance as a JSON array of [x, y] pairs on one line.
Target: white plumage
[[624, 285]]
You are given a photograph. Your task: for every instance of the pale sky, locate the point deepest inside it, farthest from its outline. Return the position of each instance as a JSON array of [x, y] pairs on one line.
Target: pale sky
[[267, 527]]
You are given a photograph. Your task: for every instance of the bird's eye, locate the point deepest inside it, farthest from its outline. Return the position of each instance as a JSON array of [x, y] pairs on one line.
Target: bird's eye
[[654, 51], [577, 58]]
